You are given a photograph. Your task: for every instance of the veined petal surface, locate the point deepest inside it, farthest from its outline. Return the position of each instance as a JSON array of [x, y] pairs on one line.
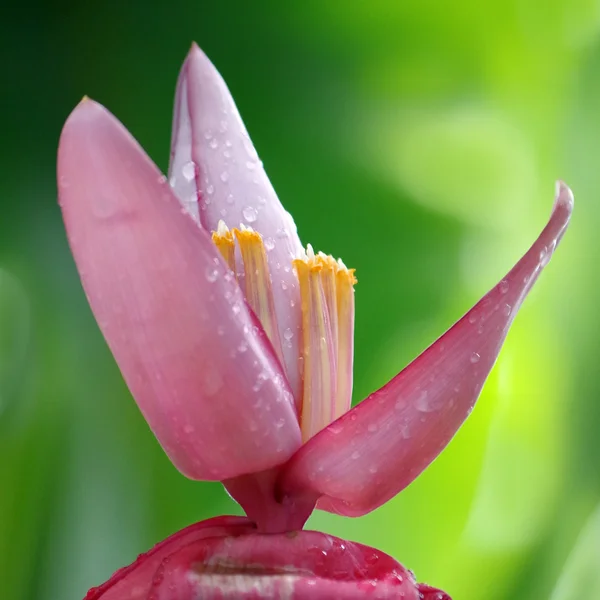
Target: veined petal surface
[[217, 175], [199, 366], [375, 450], [135, 581]]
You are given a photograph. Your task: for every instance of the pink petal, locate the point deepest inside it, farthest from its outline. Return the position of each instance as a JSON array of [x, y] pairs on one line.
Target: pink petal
[[201, 370], [134, 582], [299, 565], [216, 174], [374, 451]]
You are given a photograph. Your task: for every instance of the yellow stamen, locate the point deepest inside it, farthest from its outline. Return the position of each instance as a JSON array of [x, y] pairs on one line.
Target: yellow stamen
[[223, 240], [327, 305], [257, 282], [327, 295], [345, 282]]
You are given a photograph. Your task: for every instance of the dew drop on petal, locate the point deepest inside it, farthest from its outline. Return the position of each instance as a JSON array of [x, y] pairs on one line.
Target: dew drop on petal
[[288, 334], [269, 243], [224, 176], [188, 171], [423, 402], [212, 274], [249, 214], [504, 286], [475, 357]]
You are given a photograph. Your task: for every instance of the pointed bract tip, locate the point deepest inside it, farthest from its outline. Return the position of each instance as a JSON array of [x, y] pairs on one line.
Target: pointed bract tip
[[86, 109], [563, 197]]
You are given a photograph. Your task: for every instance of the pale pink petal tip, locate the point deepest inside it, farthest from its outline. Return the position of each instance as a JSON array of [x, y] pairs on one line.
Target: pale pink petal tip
[[217, 175], [372, 452], [199, 366]]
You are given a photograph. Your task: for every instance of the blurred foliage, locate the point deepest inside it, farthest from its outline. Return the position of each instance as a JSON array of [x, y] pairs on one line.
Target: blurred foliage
[[418, 140]]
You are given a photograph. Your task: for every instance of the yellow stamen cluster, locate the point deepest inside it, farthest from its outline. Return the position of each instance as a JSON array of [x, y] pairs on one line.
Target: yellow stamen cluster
[[327, 303], [327, 295]]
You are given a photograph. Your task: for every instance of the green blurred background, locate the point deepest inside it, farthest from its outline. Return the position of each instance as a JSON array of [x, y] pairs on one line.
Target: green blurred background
[[418, 140]]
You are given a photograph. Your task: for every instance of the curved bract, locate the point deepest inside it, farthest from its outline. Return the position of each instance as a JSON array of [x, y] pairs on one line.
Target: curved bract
[[222, 558], [237, 343]]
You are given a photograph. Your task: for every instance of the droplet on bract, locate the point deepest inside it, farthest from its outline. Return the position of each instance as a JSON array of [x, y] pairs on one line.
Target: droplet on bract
[[250, 214], [188, 171], [212, 274]]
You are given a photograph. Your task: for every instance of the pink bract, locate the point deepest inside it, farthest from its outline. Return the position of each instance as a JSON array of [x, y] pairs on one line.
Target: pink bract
[[221, 390]]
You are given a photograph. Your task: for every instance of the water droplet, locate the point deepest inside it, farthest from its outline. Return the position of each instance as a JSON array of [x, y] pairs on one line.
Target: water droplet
[[212, 274], [213, 143], [504, 285], [236, 308], [284, 285], [423, 402], [250, 165], [288, 334], [546, 253], [373, 469], [208, 134], [507, 310], [475, 357], [250, 214], [229, 199], [228, 143], [472, 318], [210, 190], [262, 200], [372, 428], [189, 171], [226, 154], [269, 243], [188, 429], [355, 455], [161, 180], [243, 346], [224, 176]]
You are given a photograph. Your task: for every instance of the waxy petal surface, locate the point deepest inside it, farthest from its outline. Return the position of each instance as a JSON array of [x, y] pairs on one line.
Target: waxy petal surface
[[299, 565], [199, 366], [217, 175], [374, 451], [134, 581]]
